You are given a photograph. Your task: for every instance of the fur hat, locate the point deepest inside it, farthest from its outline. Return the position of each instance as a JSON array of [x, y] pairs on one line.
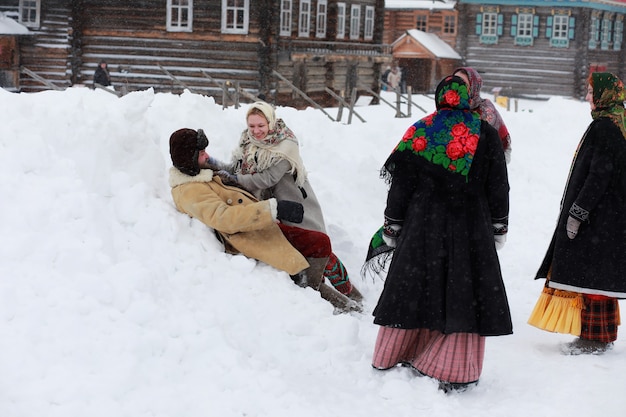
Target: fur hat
[[267, 110], [185, 146]]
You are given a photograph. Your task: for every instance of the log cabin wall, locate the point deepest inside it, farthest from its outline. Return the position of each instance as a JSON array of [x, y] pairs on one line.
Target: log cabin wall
[[142, 51], [539, 67], [439, 21], [132, 37], [47, 50], [342, 58]]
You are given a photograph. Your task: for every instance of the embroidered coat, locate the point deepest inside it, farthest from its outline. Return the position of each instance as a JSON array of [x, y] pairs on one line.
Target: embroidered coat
[[445, 273], [244, 224], [595, 261]]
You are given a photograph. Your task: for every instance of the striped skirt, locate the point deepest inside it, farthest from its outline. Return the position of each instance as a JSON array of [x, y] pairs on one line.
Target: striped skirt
[[456, 357]]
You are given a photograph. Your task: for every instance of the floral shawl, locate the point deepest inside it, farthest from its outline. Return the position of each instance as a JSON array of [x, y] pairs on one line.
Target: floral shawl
[[448, 137], [608, 97], [484, 106], [280, 143]]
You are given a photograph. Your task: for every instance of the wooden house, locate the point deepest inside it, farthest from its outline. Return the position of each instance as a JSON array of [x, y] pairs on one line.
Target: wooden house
[[431, 16], [423, 35], [425, 59], [542, 47], [202, 45], [10, 32]]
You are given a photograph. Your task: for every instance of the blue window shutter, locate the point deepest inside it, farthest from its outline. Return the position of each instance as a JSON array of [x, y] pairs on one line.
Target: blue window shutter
[[500, 22], [549, 27], [479, 24], [572, 22], [535, 26], [619, 34], [514, 25]]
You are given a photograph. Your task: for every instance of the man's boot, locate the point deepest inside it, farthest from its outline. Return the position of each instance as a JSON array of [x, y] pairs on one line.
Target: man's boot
[[342, 303], [313, 277], [355, 295]]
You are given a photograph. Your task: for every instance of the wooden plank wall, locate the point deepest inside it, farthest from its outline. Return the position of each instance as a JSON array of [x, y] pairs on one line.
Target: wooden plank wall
[[132, 38], [47, 51], [397, 22], [314, 64], [536, 70]]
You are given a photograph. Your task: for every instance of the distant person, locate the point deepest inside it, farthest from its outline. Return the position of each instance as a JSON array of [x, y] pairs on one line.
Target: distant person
[[403, 85], [394, 78], [101, 75], [385, 77], [267, 162], [585, 264], [485, 107], [241, 222], [446, 214]]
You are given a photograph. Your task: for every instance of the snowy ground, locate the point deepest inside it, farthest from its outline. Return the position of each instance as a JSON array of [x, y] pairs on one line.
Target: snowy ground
[[113, 304]]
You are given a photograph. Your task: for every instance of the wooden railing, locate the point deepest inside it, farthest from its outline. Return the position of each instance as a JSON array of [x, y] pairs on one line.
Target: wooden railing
[[343, 48]]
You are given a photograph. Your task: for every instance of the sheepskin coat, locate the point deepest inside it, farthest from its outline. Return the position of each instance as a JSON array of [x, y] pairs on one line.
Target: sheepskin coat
[[244, 224]]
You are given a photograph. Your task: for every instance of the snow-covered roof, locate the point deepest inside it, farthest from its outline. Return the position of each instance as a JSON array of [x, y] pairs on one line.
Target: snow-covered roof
[[420, 4], [431, 42], [9, 26]]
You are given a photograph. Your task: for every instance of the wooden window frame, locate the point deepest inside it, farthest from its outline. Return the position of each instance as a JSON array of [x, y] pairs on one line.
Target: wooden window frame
[[606, 32], [304, 19], [368, 28], [618, 33], [26, 10], [489, 19], [286, 17], [230, 23], [559, 32], [525, 25], [449, 24], [341, 20], [321, 20], [560, 29], [355, 21], [488, 27], [594, 28], [421, 22], [175, 21]]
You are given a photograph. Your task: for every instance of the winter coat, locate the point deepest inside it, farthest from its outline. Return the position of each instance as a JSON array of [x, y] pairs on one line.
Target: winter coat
[[101, 76], [394, 78], [277, 182], [445, 273], [244, 224], [594, 262]]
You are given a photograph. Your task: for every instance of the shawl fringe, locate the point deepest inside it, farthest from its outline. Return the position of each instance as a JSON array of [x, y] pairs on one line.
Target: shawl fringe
[[378, 256]]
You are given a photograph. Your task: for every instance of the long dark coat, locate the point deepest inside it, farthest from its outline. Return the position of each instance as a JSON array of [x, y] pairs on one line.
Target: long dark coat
[[595, 261], [445, 274]]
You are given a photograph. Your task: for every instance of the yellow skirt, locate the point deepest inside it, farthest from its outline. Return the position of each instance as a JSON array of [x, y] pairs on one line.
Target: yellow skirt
[[558, 311]]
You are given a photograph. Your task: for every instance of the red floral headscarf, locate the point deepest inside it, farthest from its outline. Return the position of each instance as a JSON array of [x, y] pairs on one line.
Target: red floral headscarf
[[449, 136]]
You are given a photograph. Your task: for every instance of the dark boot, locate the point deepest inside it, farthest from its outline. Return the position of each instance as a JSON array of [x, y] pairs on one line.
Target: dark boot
[[313, 276], [341, 303], [355, 295], [582, 346], [451, 387]]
